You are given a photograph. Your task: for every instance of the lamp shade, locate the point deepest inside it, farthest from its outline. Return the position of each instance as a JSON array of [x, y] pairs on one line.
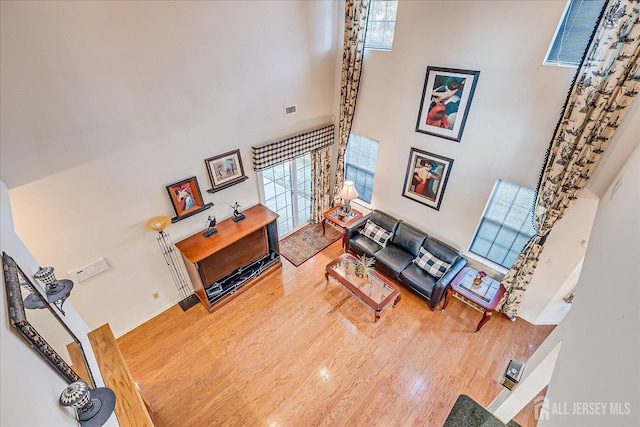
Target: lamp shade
[[158, 223], [348, 191]]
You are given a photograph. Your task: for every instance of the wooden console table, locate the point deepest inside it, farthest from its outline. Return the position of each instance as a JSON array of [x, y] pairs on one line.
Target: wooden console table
[[131, 407], [229, 262]]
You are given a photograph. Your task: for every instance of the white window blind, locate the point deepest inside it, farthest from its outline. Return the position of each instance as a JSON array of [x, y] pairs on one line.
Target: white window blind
[[574, 32], [506, 225]]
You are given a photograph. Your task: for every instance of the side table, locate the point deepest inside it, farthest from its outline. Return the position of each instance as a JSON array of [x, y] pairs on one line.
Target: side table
[[337, 217], [483, 297]]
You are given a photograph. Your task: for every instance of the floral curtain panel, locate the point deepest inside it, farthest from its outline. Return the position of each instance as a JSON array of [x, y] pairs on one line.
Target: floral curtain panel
[[355, 28], [321, 199], [605, 86]]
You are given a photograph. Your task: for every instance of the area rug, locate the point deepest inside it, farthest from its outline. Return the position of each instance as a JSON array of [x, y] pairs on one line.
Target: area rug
[[301, 245]]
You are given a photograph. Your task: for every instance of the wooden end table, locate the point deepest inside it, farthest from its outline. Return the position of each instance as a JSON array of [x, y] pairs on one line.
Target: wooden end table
[[335, 216], [484, 297]]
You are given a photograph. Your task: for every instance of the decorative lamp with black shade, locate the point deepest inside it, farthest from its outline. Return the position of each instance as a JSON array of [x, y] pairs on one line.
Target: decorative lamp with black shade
[[57, 291], [347, 193], [159, 224], [94, 407]]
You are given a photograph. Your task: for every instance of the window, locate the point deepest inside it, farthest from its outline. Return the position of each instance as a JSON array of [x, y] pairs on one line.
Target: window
[[286, 190], [506, 225], [574, 32], [381, 24], [360, 164]]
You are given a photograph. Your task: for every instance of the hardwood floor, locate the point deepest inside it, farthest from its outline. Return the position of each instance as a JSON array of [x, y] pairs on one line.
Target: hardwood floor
[[292, 351]]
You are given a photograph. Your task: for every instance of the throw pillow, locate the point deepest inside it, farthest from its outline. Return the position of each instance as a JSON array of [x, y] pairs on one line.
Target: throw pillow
[[376, 233], [431, 264]]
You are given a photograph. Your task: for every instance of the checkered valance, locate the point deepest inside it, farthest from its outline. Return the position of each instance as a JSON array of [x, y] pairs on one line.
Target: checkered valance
[[270, 154]]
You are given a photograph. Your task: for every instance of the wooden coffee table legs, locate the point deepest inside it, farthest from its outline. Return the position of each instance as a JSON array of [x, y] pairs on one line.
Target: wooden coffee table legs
[[395, 302]]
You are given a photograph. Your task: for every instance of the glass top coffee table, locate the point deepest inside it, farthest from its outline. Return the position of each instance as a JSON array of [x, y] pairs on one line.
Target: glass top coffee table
[[375, 291]]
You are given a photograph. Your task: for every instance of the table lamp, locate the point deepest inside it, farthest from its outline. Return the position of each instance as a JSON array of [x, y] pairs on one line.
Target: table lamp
[[347, 193], [57, 291], [93, 407]]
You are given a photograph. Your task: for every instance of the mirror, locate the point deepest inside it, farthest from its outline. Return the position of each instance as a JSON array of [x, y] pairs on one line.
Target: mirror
[[41, 326]]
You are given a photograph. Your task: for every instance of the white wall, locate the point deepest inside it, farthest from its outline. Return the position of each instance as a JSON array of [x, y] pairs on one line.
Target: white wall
[[30, 387], [106, 103], [562, 254], [513, 114], [598, 360], [600, 346]]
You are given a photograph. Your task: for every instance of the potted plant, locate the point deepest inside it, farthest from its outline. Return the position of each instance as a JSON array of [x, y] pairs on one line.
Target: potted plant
[[362, 266]]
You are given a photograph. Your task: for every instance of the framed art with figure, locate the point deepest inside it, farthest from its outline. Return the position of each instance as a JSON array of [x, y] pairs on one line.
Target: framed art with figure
[[186, 198], [426, 178], [225, 170], [445, 103]]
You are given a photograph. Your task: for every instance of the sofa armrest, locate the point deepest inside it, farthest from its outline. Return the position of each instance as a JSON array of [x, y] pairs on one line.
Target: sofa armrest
[[354, 228], [443, 282]]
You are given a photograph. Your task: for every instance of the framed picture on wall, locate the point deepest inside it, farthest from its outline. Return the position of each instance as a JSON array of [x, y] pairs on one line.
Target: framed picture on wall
[[426, 178], [225, 170], [445, 103], [186, 198]]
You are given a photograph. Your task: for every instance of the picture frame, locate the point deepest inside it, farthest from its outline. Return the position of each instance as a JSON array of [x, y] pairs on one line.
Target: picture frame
[[225, 170], [186, 198], [18, 319], [426, 178], [445, 103]]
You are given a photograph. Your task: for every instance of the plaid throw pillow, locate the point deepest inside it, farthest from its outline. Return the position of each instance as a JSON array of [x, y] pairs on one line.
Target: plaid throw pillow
[[432, 265], [376, 233]]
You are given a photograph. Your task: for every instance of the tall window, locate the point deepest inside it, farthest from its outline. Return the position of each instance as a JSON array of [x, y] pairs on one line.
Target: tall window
[[574, 31], [506, 225], [360, 164], [287, 191], [381, 24]]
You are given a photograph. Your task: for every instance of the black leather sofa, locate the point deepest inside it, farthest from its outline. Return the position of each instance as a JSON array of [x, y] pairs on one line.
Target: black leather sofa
[[395, 259]]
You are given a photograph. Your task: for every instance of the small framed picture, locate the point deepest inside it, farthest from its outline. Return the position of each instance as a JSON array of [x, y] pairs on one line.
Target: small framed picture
[[446, 99], [225, 170], [426, 178], [186, 197]]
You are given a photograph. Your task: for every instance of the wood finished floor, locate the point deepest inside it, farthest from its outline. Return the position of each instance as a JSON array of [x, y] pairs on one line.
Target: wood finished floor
[[292, 351]]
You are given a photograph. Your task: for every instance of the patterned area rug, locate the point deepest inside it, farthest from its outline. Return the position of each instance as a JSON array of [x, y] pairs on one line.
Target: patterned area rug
[[301, 245]]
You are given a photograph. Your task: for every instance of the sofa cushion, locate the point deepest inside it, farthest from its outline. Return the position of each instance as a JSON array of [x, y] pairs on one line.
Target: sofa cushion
[[376, 233], [431, 264], [418, 280], [391, 260], [409, 238], [384, 220], [361, 245], [441, 250]]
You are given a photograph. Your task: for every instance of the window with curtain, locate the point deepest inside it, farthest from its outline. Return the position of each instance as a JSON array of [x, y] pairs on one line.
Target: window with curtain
[[506, 225], [381, 24], [573, 33], [360, 164]]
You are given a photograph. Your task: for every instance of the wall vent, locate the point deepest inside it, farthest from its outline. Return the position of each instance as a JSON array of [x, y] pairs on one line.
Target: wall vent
[[289, 110], [87, 271]]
